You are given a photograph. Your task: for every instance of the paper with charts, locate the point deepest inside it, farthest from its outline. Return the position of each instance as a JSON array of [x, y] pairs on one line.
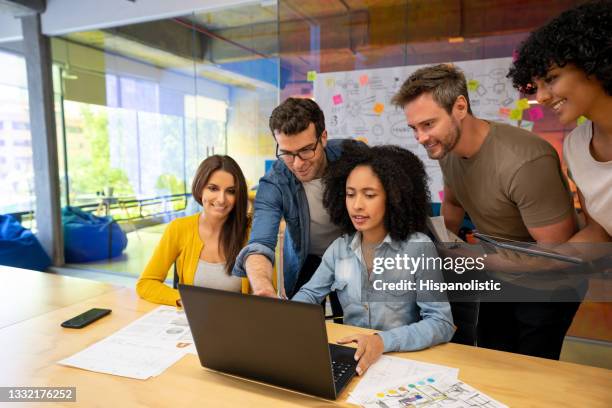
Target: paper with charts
[[430, 391], [357, 104], [388, 369], [143, 349]]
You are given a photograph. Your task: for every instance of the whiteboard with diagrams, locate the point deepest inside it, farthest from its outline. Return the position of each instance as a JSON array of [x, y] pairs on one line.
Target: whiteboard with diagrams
[[357, 105]]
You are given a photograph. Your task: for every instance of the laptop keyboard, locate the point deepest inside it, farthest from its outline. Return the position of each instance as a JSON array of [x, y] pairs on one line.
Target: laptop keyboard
[[341, 369], [343, 365]]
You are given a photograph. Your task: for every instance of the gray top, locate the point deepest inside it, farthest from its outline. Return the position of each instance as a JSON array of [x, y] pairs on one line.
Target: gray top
[[322, 231], [213, 275]]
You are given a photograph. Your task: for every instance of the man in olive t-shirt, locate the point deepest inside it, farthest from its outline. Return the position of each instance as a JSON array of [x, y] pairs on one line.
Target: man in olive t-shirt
[[510, 183], [513, 183]]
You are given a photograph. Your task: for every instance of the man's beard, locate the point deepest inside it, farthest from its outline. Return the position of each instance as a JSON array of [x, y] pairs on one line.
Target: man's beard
[[449, 145]]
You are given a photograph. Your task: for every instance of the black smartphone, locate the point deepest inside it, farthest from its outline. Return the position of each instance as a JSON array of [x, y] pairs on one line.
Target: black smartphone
[[82, 320]]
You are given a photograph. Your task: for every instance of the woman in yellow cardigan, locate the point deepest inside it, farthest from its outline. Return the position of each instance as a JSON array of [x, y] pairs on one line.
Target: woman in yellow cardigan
[[205, 245]]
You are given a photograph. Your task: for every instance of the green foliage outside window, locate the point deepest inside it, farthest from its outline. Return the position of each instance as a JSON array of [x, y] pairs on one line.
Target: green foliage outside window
[[91, 171]]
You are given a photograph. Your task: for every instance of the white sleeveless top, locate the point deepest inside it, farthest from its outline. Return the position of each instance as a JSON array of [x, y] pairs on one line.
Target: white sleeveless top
[[213, 275], [593, 178]]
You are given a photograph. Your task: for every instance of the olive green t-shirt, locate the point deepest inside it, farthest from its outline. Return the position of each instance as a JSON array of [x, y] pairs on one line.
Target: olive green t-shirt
[[513, 182]]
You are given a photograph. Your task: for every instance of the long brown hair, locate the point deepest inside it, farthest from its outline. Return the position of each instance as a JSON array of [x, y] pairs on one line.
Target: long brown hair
[[234, 232]]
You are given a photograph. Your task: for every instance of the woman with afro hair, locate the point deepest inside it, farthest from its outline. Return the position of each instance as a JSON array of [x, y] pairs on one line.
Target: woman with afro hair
[[379, 197], [567, 64]]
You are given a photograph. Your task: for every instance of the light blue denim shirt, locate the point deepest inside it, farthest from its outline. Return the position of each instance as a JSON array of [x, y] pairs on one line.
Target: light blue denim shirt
[[281, 195], [413, 321]]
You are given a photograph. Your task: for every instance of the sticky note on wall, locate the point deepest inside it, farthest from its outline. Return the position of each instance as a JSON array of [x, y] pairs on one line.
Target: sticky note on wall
[[473, 84], [522, 103], [363, 80], [527, 124], [516, 114], [337, 99], [504, 112], [379, 108], [330, 82], [535, 113], [311, 76]]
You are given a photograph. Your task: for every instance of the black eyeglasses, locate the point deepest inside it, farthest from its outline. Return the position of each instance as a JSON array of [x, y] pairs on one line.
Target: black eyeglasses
[[304, 154]]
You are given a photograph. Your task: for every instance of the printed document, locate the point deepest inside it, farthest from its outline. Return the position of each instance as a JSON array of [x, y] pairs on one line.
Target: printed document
[[388, 370], [143, 349]]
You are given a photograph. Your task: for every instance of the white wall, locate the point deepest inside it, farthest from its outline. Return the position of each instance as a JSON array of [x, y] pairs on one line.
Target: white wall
[[66, 16], [10, 27]]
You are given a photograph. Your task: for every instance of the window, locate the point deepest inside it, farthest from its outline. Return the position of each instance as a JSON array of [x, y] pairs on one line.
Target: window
[[17, 177]]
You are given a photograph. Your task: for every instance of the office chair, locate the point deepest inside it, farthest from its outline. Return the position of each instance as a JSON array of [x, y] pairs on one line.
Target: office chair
[[465, 317], [175, 281]]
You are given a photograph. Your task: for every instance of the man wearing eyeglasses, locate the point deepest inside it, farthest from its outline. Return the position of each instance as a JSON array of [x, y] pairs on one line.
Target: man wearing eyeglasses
[[292, 190]]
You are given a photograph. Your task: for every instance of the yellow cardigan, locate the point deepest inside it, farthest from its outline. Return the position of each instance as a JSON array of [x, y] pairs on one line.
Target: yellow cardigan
[[180, 243]]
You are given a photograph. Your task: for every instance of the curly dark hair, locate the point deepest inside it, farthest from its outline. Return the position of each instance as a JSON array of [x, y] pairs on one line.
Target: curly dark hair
[[402, 175], [294, 115], [581, 36]]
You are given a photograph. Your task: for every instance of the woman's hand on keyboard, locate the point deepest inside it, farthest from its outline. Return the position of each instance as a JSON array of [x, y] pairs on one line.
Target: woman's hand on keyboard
[[369, 349]]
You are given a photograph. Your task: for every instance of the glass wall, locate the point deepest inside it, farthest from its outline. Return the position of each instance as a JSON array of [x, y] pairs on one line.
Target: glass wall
[[355, 35], [139, 106], [359, 53], [16, 171], [142, 105]]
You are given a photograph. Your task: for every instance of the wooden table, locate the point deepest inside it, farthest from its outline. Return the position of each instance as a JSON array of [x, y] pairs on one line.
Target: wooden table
[[25, 294], [30, 349]]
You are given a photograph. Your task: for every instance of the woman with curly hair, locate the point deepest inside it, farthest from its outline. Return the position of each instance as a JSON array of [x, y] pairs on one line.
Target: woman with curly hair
[[568, 65], [378, 196]]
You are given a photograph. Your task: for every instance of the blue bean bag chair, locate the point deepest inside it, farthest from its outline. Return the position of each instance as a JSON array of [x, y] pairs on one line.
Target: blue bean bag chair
[[90, 238], [19, 247]]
